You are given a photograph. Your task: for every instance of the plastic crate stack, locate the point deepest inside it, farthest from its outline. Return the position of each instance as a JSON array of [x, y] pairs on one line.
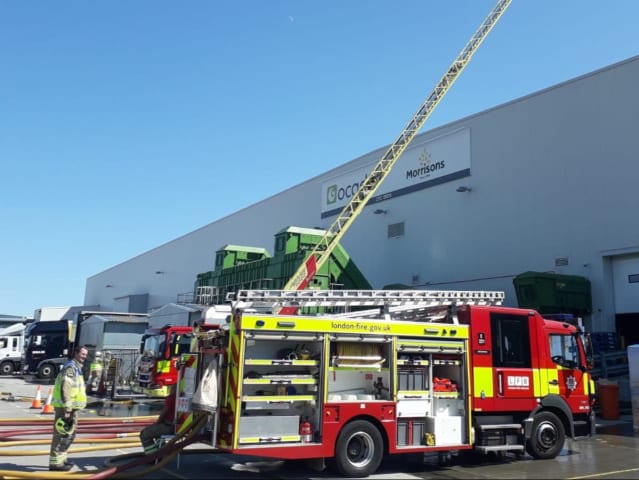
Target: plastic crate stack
[[605, 342]]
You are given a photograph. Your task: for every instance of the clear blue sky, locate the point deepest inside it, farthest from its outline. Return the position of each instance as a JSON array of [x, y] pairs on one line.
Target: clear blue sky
[[124, 125]]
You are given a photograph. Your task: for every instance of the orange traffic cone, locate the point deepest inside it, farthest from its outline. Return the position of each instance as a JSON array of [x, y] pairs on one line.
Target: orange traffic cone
[[37, 401], [48, 408]]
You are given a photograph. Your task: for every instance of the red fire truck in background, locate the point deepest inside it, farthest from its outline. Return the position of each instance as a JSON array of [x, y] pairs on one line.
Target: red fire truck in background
[[162, 345], [161, 349]]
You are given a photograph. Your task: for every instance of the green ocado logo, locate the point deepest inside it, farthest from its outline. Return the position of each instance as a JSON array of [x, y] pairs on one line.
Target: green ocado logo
[[331, 194]]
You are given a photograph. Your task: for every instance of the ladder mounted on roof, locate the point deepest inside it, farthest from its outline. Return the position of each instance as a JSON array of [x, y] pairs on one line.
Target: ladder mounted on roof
[[362, 298], [320, 254]]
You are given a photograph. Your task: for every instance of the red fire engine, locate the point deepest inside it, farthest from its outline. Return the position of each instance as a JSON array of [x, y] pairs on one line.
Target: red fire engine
[[162, 346], [417, 371], [161, 350]]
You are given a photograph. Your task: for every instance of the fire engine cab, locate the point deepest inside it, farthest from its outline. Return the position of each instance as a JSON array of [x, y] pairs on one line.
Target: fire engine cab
[[162, 345], [160, 350], [377, 372]]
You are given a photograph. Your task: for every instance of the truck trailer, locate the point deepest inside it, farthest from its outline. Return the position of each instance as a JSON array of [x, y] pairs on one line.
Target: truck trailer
[[49, 343], [112, 340]]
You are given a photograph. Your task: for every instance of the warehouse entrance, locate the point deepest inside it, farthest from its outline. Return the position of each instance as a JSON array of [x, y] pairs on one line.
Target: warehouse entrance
[[627, 325], [625, 270]]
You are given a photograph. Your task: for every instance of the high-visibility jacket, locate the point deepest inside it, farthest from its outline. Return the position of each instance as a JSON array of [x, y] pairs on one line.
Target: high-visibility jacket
[[70, 373], [95, 366]]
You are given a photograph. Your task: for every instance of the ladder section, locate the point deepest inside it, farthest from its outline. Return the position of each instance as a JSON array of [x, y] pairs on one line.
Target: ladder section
[[321, 252], [505, 437], [359, 298]]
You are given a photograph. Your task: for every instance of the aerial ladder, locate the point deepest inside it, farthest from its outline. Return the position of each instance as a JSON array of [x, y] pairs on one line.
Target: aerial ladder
[[322, 251], [411, 305], [361, 298]]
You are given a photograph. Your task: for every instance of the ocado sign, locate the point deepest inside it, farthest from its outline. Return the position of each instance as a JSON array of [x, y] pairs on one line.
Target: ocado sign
[[337, 193]]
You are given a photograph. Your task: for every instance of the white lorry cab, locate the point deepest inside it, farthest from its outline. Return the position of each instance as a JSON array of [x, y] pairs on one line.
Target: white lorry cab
[[11, 345]]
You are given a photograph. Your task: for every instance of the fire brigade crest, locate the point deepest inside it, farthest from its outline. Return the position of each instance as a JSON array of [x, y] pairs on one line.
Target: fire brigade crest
[[571, 382]]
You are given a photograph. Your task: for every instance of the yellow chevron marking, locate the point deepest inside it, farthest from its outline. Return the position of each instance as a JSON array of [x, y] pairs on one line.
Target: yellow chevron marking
[[483, 381], [553, 376]]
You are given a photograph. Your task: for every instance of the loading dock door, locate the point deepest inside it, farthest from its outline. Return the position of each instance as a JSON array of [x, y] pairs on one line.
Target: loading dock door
[[625, 270]]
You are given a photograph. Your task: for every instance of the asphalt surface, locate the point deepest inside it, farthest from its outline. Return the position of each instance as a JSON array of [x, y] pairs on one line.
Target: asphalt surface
[[611, 454]]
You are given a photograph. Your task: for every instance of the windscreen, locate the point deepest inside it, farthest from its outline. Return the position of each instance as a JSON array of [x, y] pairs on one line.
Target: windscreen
[[154, 346]]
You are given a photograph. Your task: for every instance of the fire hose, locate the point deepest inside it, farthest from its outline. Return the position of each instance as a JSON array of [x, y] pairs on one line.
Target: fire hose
[[122, 471], [117, 440], [80, 429], [87, 425], [92, 420], [95, 439], [162, 456]]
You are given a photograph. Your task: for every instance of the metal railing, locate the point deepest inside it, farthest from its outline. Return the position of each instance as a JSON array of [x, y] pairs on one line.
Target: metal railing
[[120, 374], [610, 364]]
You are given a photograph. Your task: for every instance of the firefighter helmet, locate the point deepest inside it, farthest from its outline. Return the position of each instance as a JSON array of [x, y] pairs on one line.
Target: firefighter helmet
[[65, 426]]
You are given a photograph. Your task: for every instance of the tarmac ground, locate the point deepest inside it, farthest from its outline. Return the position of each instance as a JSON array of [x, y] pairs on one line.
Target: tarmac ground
[[611, 454]]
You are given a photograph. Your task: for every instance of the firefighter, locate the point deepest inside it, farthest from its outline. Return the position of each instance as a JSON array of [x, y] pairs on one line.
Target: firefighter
[[95, 372], [69, 397]]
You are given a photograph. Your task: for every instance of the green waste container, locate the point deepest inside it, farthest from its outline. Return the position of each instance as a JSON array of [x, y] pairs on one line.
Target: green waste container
[[553, 293], [608, 398]]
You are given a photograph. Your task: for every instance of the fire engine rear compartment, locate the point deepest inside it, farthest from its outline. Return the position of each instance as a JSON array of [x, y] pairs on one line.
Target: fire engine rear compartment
[[411, 389]]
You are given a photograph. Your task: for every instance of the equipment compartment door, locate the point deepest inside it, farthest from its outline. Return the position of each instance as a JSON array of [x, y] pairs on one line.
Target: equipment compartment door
[[512, 360]]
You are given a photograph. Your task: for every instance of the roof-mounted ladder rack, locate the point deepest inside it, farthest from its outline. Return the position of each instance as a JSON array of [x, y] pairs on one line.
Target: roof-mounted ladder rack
[[356, 298]]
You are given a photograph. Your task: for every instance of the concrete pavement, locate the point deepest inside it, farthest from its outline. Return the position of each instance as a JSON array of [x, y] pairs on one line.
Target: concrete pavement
[[610, 454]]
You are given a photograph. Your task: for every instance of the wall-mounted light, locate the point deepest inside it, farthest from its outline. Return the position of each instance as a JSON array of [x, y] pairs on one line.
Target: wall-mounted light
[[463, 188], [380, 211], [108, 285]]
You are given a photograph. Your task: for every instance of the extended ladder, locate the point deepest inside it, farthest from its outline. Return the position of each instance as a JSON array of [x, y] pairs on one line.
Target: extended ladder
[[320, 254], [362, 298]]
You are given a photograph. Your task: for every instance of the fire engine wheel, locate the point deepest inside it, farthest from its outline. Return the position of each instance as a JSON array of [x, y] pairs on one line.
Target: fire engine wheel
[[6, 368], [46, 371], [359, 449], [548, 436]]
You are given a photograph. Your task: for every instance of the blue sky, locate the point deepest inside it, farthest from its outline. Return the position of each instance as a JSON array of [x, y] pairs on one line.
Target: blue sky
[[124, 125]]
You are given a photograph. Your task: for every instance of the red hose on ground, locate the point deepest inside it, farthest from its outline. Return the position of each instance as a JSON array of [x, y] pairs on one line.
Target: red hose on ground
[[86, 421], [81, 428]]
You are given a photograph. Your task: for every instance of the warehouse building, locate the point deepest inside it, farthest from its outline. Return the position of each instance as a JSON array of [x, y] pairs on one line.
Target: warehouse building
[[544, 183]]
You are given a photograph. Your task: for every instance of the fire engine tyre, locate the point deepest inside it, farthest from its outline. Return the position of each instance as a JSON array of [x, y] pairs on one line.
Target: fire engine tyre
[[6, 368], [548, 436], [359, 449], [46, 371]]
